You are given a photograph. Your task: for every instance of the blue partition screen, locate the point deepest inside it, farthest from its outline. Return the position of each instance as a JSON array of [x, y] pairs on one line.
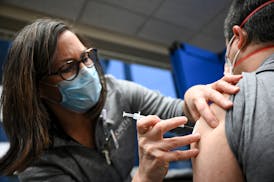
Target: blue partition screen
[[192, 66]]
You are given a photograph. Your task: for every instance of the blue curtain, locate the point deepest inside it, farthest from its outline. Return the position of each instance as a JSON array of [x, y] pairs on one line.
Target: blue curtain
[[192, 66]]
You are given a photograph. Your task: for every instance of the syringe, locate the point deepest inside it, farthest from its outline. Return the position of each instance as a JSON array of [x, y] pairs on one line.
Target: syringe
[[135, 116], [138, 116]]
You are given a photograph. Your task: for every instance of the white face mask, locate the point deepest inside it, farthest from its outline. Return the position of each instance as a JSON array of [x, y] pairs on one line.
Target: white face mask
[[229, 65]]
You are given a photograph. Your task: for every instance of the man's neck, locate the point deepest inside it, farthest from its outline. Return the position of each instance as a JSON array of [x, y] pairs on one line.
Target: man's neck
[[253, 62]]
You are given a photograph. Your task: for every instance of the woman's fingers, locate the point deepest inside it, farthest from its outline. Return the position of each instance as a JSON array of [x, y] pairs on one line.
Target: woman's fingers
[[203, 109], [145, 123], [198, 97], [169, 124], [159, 156], [217, 98], [178, 155], [155, 151], [167, 149], [175, 142], [153, 122], [233, 79], [197, 102], [227, 84]]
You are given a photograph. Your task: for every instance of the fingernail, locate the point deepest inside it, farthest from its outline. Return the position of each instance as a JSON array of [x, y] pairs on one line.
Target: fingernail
[[197, 134], [214, 123], [228, 102]]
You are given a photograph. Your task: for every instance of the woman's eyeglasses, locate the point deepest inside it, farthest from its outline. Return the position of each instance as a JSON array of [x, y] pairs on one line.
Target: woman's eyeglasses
[[70, 69]]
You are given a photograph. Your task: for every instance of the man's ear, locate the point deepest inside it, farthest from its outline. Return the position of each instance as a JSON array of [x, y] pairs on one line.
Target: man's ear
[[241, 35]]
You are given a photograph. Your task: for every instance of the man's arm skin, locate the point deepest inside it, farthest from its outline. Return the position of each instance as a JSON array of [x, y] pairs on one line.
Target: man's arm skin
[[215, 161]]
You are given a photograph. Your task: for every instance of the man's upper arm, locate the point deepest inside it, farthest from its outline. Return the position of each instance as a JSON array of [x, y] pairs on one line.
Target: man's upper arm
[[215, 161]]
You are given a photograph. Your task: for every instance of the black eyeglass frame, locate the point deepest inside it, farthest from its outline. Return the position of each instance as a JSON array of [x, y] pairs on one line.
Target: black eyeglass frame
[[90, 53]]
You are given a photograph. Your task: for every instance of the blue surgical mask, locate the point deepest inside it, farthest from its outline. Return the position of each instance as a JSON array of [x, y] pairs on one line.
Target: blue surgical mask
[[83, 92]]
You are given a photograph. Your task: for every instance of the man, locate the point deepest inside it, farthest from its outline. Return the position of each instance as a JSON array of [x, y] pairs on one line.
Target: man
[[240, 147]]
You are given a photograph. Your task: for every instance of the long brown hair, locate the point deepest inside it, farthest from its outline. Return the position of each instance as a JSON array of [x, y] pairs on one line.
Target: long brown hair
[[25, 117]]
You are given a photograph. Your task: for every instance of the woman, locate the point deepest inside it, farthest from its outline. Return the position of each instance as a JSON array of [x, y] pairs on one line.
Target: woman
[[64, 117]]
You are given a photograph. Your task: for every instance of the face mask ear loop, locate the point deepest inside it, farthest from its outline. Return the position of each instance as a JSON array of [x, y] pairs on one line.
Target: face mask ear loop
[[228, 64], [234, 60]]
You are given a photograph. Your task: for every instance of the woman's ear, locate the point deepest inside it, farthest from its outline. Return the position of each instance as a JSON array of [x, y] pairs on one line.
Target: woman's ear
[[240, 35]]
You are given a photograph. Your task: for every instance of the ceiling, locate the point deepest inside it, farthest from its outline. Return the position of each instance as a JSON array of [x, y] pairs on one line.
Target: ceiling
[[136, 31]]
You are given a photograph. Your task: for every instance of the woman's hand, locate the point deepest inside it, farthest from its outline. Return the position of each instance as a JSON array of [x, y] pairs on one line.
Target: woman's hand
[[155, 152], [197, 98]]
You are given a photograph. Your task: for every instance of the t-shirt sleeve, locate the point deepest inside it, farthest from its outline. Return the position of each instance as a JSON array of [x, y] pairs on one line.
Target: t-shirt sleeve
[[249, 124], [234, 123]]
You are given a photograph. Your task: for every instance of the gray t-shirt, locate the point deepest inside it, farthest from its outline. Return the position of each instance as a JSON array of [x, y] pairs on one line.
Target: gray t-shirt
[[250, 123], [67, 160]]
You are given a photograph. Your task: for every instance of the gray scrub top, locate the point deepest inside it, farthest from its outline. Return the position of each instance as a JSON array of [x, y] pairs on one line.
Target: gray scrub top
[[249, 124]]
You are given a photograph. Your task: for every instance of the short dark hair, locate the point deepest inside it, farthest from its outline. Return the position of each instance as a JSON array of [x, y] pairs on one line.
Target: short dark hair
[[259, 27]]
